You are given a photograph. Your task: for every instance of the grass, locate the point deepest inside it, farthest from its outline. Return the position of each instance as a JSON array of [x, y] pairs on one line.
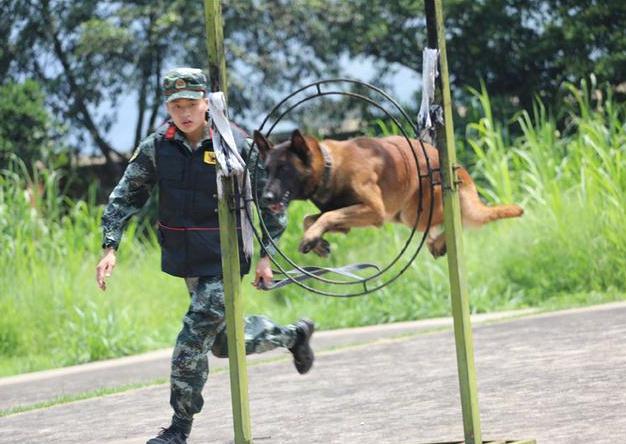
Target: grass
[[79, 397], [53, 313], [568, 249]]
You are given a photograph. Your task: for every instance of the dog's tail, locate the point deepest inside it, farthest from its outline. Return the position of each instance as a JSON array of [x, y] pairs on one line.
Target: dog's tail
[[474, 212]]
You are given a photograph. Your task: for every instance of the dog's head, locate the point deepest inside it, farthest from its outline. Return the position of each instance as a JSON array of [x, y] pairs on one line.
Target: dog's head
[[288, 166]]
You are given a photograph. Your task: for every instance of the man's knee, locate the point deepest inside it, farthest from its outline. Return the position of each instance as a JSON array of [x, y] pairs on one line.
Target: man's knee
[[203, 323]]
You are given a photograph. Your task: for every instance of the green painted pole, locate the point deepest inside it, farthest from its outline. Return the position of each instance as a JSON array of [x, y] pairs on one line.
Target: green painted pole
[[229, 245], [454, 235]]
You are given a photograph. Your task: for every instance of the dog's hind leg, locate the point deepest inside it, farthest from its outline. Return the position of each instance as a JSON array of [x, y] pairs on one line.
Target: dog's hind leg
[[436, 241]]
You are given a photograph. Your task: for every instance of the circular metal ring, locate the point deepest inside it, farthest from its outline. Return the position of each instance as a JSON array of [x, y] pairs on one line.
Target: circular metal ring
[[429, 175]]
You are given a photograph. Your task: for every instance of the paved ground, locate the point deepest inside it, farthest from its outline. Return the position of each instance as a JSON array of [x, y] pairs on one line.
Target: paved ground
[[32, 388], [555, 377]]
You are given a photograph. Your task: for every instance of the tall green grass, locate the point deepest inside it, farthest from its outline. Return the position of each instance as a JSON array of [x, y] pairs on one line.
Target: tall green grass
[[569, 247], [52, 313], [573, 185]]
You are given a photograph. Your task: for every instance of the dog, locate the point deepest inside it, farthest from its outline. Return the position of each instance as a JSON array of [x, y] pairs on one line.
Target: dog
[[365, 181]]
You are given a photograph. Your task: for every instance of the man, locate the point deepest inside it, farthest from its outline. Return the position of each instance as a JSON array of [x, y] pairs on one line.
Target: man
[[179, 158]]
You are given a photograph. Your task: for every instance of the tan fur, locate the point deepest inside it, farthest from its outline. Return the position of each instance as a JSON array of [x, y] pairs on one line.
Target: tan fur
[[380, 173]]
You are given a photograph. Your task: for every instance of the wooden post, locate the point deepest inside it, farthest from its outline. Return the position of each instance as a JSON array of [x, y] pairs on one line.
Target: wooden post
[[229, 245], [453, 230]]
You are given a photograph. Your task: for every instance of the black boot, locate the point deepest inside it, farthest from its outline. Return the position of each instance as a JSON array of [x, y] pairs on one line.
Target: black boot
[[302, 352], [170, 435]]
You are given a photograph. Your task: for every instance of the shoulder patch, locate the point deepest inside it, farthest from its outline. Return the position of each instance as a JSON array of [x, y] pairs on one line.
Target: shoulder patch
[[209, 157]]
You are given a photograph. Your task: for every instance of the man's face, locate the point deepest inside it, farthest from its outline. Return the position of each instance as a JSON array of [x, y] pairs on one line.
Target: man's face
[[189, 115]]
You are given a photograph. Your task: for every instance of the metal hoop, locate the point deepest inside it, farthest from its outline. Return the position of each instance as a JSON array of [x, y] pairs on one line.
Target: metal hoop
[[429, 174]]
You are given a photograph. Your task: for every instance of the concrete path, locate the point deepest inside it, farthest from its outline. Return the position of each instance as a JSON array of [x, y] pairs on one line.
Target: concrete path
[[555, 377], [31, 388]]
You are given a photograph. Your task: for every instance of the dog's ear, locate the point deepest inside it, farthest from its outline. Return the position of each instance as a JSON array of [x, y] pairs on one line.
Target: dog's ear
[[263, 145], [299, 146]]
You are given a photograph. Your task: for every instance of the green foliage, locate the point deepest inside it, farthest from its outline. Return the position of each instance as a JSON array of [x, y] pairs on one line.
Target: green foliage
[[573, 185], [88, 55], [24, 122], [521, 48], [525, 49], [92, 53], [53, 313]]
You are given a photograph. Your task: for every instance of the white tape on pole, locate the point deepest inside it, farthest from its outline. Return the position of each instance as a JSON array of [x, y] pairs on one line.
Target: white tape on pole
[[231, 164], [429, 74]]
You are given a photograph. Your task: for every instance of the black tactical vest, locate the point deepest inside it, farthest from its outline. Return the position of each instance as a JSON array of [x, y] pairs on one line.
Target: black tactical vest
[[188, 221]]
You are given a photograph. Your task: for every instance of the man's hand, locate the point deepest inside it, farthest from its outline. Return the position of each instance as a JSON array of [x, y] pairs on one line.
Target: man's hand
[[105, 267], [264, 275]]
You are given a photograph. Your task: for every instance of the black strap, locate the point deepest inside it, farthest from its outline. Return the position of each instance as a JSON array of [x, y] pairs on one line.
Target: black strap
[[299, 276]]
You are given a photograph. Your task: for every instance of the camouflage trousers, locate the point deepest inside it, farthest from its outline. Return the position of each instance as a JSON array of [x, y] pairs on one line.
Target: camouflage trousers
[[204, 330]]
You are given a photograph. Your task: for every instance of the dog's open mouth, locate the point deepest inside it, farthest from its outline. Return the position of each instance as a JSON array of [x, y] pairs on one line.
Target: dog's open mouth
[[278, 207]]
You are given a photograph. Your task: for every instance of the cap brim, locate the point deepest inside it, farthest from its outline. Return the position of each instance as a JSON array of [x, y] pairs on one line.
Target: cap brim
[[194, 95]]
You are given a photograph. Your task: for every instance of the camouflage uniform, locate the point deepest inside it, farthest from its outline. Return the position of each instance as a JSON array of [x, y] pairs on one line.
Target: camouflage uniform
[[204, 329], [203, 325]]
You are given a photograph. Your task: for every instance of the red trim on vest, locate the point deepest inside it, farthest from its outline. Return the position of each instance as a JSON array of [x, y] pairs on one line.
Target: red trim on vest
[[171, 131]]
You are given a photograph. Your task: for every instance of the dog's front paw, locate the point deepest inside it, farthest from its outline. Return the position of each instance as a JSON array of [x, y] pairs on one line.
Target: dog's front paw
[[307, 245], [322, 249]]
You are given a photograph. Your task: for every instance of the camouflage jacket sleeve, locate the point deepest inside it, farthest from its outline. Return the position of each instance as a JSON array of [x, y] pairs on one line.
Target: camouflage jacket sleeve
[[275, 223], [130, 194]]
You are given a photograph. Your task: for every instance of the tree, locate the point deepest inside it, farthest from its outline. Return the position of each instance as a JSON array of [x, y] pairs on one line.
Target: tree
[[524, 49], [88, 54], [520, 48], [91, 53], [25, 125]]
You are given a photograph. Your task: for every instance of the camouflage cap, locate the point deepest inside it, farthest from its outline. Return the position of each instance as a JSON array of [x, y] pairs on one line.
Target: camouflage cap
[[184, 83]]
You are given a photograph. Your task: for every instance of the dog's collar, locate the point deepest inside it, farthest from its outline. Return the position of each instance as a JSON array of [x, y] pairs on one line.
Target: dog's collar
[[322, 192]]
